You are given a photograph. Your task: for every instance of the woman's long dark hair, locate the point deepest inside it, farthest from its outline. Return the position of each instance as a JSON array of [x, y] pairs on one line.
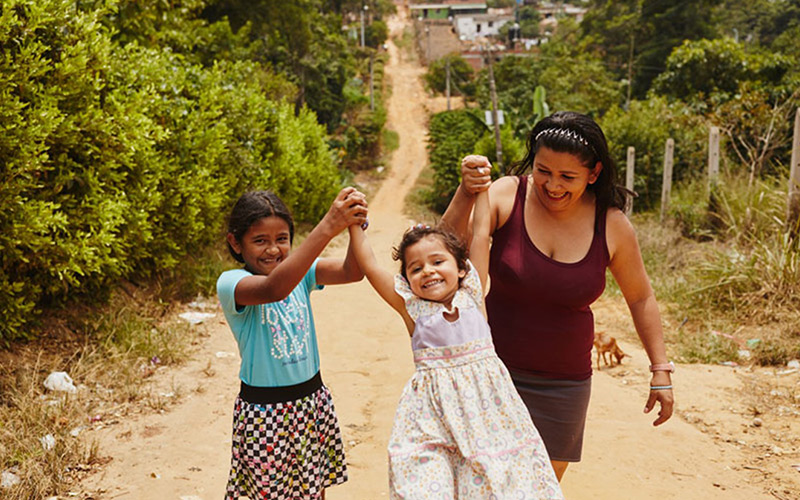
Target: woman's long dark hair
[[579, 135]]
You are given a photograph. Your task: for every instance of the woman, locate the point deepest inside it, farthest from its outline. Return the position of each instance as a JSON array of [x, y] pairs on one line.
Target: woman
[[555, 230]]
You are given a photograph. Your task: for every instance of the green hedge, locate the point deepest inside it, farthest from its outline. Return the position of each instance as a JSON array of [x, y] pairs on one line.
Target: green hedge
[[117, 162], [451, 136]]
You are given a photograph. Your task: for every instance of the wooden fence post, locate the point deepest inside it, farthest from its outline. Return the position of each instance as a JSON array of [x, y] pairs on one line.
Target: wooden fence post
[[793, 201], [666, 184], [713, 156], [713, 179], [629, 171]]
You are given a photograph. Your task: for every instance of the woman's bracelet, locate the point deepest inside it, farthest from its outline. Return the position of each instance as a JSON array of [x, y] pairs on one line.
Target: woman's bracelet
[[660, 387]]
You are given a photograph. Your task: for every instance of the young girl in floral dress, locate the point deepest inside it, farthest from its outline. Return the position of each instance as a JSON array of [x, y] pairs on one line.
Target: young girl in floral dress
[[461, 430]]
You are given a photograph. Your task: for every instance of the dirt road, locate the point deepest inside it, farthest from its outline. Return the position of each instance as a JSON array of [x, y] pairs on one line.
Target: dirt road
[[183, 453]]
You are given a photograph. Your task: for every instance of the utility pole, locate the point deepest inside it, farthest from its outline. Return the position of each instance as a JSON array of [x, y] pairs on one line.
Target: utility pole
[[447, 81], [630, 74], [363, 11], [496, 122], [371, 86], [428, 50]]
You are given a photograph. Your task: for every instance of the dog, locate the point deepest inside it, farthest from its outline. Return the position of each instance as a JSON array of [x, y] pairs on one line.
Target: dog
[[605, 344]]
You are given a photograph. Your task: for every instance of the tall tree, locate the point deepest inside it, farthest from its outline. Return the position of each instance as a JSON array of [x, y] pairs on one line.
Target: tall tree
[[302, 39], [637, 36]]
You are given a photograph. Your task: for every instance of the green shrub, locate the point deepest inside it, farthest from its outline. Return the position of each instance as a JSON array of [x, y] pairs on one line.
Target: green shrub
[[359, 137], [461, 76], [451, 136], [119, 162], [513, 148], [646, 126]]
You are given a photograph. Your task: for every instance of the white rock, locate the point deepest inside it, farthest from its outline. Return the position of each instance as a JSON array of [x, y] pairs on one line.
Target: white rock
[[60, 381], [195, 317], [8, 479], [48, 442]]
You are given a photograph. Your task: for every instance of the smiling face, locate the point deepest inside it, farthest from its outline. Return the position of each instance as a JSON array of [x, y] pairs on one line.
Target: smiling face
[[561, 179], [432, 271], [265, 244]]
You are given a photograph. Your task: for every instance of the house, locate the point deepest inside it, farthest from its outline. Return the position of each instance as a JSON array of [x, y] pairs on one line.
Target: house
[[446, 9], [550, 12], [470, 27]]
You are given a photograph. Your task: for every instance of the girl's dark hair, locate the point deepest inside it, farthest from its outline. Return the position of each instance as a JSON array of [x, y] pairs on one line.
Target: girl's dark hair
[[420, 231], [252, 206], [579, 135]]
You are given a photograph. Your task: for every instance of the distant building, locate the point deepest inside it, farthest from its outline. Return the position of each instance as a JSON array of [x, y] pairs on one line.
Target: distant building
[[446, 9], [470, 27], [550, 12]]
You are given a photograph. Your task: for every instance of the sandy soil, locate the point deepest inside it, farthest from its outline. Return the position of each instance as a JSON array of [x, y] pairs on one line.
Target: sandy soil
[[713, 448]]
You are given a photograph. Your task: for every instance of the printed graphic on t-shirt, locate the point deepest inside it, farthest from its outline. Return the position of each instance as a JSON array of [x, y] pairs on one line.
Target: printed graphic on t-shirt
[[289, 327]]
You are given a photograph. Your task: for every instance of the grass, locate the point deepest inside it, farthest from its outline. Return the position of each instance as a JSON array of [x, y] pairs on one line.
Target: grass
[[417, 205], [111, 354], [733, 274]]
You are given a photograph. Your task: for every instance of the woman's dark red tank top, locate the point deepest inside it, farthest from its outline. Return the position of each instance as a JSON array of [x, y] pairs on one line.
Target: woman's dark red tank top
[[538, 308]]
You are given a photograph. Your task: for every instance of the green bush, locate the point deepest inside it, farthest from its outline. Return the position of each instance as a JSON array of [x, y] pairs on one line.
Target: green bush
[[119, 162], [359, 137], [462, 79], [513, 148], [646, 126], [451, 136]]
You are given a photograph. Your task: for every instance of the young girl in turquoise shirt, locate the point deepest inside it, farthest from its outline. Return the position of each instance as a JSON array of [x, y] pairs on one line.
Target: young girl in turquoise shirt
[[286, 438]]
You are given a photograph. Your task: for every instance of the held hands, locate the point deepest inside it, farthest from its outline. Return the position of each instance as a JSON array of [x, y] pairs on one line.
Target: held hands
[[349, 208], [475, 174], [664, 397]]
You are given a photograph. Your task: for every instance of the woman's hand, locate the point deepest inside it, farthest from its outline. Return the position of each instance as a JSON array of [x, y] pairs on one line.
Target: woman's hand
[[475, 174], [664, 397], [349, 207]]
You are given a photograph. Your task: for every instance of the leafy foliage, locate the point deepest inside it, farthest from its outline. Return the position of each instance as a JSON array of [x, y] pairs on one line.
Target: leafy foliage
[[573, 81], [451, 136], [646, 126], [709, 72], [637, 36], [120, 161], [461, 76]]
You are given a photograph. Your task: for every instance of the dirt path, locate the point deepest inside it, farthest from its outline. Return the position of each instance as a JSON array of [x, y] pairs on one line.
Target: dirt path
[[183, 453]]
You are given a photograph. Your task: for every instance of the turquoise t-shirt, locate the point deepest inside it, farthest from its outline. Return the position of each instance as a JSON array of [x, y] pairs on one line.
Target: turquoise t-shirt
[[277, 341]]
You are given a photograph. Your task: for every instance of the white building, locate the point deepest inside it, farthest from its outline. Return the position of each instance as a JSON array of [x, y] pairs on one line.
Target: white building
[[470, 27]]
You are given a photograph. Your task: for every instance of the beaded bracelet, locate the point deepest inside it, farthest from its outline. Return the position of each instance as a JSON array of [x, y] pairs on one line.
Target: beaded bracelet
[[660, 387]]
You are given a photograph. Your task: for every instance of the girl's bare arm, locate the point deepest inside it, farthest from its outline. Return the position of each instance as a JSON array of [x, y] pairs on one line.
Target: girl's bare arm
[[380, 279], [348, 208], [479, 246], [475, 177]]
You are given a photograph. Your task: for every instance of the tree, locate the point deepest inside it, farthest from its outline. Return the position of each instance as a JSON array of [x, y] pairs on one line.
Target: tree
[[637, 36], [709, 72], [646, 125], [461, 75], [759, 125], [300, 39]]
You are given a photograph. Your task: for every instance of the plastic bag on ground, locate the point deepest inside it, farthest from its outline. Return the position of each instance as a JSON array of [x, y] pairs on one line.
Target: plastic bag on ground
[[60, 381]]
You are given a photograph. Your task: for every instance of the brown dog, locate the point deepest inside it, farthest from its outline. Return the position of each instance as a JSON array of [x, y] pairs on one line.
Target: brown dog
[[606, 344]]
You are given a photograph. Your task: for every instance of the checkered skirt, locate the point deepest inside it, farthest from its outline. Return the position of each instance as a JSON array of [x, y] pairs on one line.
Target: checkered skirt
[[288, 450]]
